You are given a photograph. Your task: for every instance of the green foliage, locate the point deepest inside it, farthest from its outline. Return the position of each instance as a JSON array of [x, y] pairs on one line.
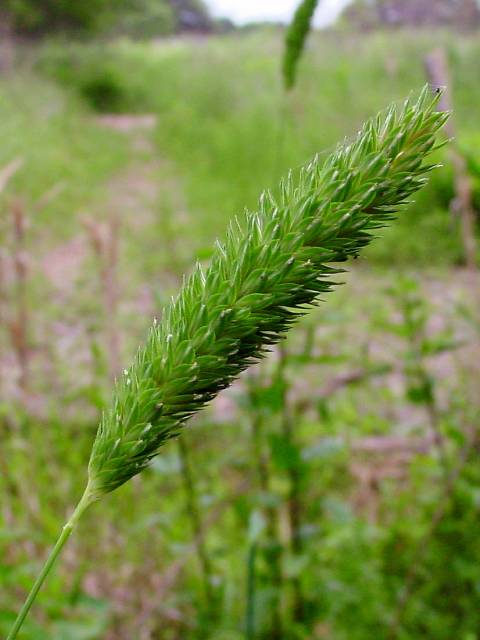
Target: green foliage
[[95, 75], [295, 40], [137, 18], [259, 283], [103, 91], [34, 16], [225, 162]]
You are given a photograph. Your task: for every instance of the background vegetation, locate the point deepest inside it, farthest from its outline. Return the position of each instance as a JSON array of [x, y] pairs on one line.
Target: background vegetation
[[334, 491]]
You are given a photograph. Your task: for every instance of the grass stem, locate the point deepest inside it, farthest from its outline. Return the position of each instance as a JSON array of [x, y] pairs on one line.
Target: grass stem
[[67, 530], [273, 548], [294, 506], [194, 515], [251, 585]]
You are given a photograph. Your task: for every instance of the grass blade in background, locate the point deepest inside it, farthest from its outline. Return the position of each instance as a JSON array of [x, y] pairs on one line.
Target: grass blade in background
[[295, 40]]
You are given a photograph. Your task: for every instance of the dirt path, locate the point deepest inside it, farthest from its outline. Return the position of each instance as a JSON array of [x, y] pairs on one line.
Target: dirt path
[[131, 194], [69, 286]]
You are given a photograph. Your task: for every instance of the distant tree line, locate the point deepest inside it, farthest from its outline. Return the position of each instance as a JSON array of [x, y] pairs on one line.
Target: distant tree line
[[33, 18]]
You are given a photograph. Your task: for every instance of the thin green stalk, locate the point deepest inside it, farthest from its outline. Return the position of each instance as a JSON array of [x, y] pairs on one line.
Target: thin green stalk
[[281, 136], [250, 614], [273, 547], [67, 530], [309, 343], [294, 473], [196, 522]]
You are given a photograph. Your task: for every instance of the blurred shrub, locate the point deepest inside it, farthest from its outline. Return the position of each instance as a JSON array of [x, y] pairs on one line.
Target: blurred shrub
[[426, 232], [103, 91], [94, 73]]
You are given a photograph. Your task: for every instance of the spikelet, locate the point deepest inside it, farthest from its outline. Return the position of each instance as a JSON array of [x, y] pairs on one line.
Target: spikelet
[[295, 39], [260, 281]]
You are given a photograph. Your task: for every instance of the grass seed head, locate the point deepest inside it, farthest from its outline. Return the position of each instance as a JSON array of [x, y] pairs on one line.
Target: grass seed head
[[260, 281]]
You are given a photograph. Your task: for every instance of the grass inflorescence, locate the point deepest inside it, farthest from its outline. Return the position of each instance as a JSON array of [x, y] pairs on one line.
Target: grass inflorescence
[[270, 269]]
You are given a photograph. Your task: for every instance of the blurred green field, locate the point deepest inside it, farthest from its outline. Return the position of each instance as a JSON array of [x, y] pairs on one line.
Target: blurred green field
[[393, 354], [226, 124]]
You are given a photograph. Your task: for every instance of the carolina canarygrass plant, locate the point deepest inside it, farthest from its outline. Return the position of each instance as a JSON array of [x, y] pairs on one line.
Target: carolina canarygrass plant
[[295, 39], [265, 276]]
